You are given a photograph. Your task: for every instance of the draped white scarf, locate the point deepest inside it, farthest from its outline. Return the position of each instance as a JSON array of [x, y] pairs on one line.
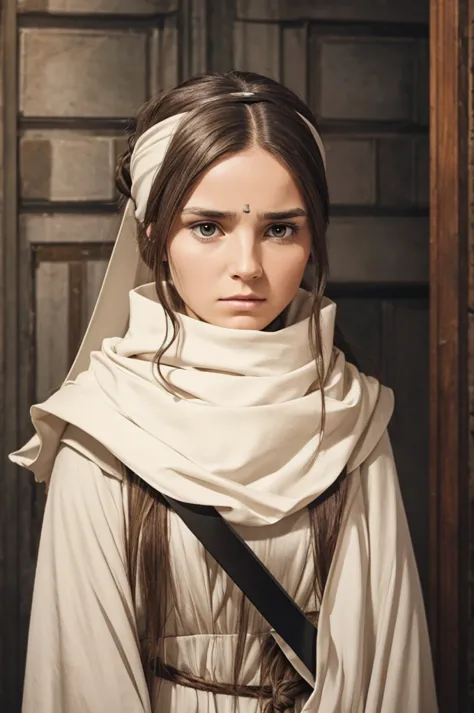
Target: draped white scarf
[[242, 430]]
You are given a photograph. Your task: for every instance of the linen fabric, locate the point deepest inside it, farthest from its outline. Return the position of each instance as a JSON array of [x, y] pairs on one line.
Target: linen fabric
[[241, 434], [241, 429], [373, 653]]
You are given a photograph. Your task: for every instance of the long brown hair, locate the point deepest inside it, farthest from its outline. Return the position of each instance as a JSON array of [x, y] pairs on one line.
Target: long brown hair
[[217, 125]]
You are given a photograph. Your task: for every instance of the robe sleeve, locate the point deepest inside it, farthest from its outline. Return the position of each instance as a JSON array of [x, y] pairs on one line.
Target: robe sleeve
[[373, 652], [83, 650], [400, 670]]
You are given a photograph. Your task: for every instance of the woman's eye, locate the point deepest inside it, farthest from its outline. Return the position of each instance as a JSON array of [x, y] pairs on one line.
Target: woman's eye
[[205, 231], [283, 231]]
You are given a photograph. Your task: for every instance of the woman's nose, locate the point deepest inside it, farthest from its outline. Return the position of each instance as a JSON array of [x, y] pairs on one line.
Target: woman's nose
[[245, 261]]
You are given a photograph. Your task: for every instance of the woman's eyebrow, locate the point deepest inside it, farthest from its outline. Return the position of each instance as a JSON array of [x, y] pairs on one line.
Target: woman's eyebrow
[[208, 212], [283, 214], [273, 215]]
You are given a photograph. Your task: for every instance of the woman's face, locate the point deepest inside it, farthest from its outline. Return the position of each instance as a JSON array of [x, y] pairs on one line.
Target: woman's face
[[242, 233]]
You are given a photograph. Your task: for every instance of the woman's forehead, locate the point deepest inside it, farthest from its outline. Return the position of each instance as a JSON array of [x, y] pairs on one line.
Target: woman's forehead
[[251, 177]]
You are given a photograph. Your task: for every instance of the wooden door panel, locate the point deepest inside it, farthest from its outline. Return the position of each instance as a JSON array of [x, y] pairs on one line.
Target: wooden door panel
[[390, 340]]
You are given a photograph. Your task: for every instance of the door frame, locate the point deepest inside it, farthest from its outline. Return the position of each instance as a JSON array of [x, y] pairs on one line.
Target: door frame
[[449, 409]]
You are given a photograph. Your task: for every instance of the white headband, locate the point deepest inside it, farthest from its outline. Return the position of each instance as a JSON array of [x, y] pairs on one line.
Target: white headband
[[126, 270], [151, 148], [147, 158]]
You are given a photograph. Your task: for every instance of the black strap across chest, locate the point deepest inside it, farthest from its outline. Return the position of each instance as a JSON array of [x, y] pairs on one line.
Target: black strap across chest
[[251, 576]]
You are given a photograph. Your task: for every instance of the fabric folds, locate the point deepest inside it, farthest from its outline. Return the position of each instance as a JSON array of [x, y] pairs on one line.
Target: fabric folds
[[241, 430]]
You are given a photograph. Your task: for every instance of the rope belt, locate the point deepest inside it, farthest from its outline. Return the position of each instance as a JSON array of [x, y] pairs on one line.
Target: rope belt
[[278, 699]]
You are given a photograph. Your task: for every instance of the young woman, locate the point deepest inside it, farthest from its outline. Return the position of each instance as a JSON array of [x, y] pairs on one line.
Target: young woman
[[209, 375]]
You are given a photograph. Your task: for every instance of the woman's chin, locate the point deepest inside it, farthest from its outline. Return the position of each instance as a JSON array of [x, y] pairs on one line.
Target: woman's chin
[[243, 321]]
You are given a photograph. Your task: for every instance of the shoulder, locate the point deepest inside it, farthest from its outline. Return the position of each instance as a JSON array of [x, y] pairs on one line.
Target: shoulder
[[378, 471], [86, 445], [374, 494], [376, 409], [81, 490], [381, 493]]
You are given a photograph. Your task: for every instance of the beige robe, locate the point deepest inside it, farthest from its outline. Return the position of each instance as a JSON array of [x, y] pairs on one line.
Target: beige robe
[[84, 640]]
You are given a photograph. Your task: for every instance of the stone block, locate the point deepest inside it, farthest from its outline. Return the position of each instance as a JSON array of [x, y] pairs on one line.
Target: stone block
[[395, 171], [52, 327], [120, 146], [51, 228], [164, 56], [358, 10], [379, 250], [95, 273], [423, 82], [351, 170], [82, 73], [201, 36], [109, 7], [63, 166], [294, 51], [364, 79], [257, 48], [422, 170]]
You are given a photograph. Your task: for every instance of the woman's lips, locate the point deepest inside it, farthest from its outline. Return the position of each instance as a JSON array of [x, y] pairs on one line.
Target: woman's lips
[[244, 303]]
